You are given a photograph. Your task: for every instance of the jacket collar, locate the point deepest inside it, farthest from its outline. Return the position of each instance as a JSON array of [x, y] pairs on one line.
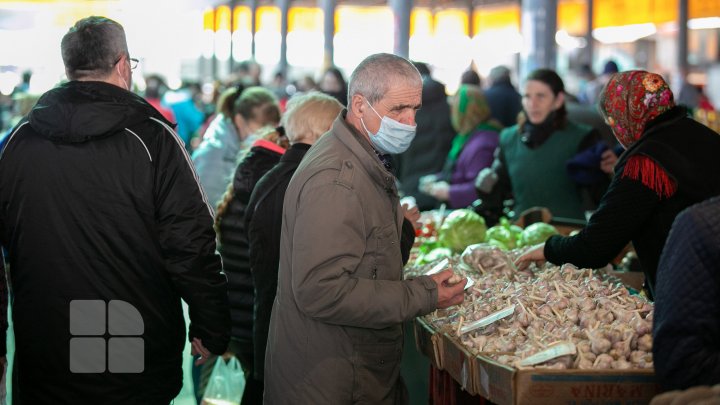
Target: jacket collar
[[360, 147], [295, 153]]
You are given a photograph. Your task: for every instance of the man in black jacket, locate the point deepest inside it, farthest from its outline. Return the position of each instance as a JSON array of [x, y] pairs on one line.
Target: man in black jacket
[[106, 229]]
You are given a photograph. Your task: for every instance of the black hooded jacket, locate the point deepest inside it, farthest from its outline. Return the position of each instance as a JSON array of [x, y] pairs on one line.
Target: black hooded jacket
[[106, 229]]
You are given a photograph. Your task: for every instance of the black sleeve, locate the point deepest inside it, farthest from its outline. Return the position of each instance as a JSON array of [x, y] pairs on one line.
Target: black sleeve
[[3, 305], [490, 205], [623, 210], [187, 239], [686, 333], [407, 239], [592, 138], [593, 193]]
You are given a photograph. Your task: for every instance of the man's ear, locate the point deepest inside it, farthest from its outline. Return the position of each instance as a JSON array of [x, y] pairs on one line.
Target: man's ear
[[559, 100], [357, 105]]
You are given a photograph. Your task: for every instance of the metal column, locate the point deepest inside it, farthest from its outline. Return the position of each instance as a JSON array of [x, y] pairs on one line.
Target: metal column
[[589, 47], [284, 6], [401, 11], [538, 26], [471, 11], [328, 7], [682, 55], [253, 26], [231, 61]]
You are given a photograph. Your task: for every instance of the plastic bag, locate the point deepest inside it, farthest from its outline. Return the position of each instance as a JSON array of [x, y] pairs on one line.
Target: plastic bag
[[226, 384]]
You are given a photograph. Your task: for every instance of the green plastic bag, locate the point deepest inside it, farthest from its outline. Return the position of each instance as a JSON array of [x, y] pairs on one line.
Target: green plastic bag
[[226, 384]]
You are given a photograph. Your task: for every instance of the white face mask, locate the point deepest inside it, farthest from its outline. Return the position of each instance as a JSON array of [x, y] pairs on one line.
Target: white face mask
[[392, 136]]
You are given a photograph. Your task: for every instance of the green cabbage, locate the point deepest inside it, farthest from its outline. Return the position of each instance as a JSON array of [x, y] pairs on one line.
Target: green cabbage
[[536, 233], [435, 254], [461, 229]]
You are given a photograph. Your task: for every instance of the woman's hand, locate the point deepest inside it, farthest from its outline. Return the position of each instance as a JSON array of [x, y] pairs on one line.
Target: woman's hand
[[535, 254], [607, 161], [440, 190]]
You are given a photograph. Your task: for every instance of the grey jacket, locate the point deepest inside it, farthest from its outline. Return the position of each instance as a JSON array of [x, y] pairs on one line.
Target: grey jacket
[[216, 158], [336, 327]]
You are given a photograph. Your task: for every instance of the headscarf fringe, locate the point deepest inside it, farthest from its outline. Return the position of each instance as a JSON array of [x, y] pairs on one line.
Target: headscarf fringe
[[650, 174]]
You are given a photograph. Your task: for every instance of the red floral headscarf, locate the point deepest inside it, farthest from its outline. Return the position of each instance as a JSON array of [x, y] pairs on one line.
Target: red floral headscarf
[[630, 100]]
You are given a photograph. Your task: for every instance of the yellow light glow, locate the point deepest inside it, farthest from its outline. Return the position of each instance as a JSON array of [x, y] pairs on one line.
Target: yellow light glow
[[242, 19], [421, 22], [611, 13], [451, 21], [703, 8], [496, 18], [572, 16], [268, 19], [308, 19], [354, 40], [209, 20], [222, 18], [358, 19]]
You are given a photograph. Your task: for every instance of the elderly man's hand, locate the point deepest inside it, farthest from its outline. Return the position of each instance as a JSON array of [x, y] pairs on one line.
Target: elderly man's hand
[[535, 254], [449, 294]]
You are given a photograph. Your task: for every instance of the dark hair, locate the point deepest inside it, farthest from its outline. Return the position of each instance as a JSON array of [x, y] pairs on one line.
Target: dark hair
[[610, 67], [226, 100], [422, 67], [258, 103], [470, 77], [553, 80], [155, 86], [92, 47]]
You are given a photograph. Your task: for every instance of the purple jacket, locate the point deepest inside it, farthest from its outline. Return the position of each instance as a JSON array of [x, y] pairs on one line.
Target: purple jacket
[[476, 155]]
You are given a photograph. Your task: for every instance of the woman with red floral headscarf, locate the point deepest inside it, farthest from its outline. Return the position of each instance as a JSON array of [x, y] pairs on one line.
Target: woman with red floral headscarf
[[670, 163]]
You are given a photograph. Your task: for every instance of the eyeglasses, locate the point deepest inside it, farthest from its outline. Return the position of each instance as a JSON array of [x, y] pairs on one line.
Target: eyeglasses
[[133, 62]]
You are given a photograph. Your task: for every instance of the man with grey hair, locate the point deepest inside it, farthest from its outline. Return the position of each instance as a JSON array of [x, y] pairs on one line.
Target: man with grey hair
[[336, 326], [106, 229]]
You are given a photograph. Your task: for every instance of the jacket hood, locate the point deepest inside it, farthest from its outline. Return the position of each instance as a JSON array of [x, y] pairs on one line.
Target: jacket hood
[[433, 91], [221, 133], [79, 111]]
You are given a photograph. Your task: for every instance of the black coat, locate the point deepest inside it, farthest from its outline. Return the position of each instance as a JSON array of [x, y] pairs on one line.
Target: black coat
[[686, 328], [234, 246], [99, 201], [505, 102], [429, 149], [263, 221]]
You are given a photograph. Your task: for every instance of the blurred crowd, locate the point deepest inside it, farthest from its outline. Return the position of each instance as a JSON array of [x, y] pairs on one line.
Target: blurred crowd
[[494, 146]]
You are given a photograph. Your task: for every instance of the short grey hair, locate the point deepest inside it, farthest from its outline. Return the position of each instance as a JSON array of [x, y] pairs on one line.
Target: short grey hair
[[374, 75], [309, 115], [92, 47]]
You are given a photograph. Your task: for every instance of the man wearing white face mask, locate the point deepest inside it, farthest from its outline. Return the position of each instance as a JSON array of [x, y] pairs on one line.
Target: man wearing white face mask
[[107, 230], [336, 327]]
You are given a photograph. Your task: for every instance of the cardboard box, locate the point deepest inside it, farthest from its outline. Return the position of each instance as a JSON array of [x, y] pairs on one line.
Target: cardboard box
[[428, 342], [458, 362], [504, 385]]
